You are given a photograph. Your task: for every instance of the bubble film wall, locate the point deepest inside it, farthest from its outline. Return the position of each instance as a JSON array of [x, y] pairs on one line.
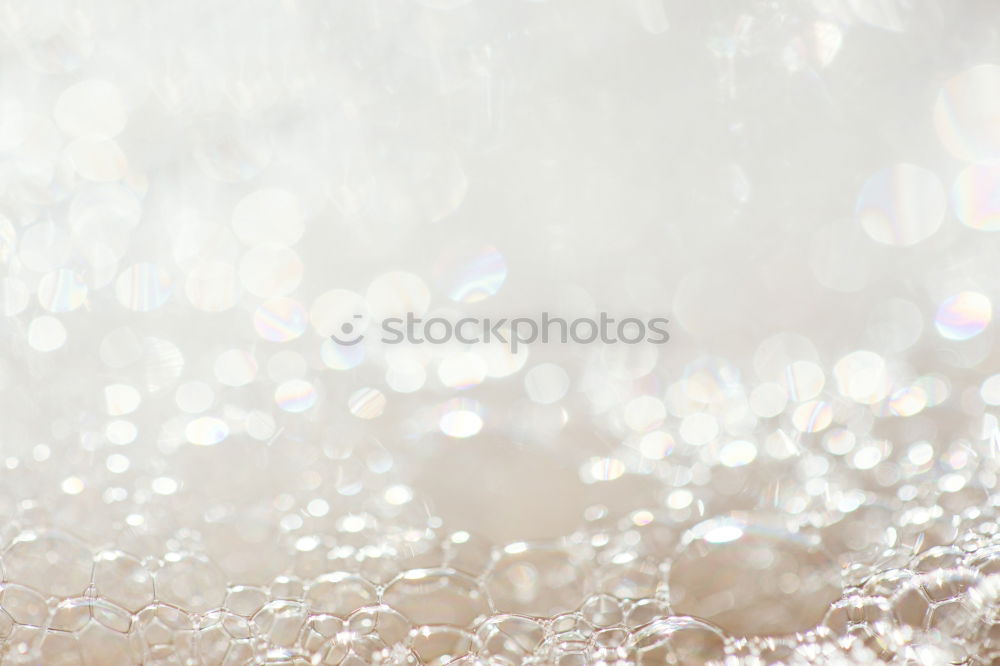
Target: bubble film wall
[[209, 456]]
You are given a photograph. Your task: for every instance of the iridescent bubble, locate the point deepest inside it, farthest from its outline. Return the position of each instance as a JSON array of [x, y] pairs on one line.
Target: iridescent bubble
[[656, 445], [471, 275], [812, 416], [280, 319], [121, 432], [990, 390], [143, 287], [500, 360], [768, 400], [644, 412], [235, 367], [699, 428], [341, 357], [406, 372], [461, 418], [935, 388], [270, 270], [295, 395], [601, 468], [803, 380], [966, 112], [268, 215], [46, 334], [462, 371], [963, 316], [862, 376], [61, 291], [120, 399], [163, 363], [738, 453], [91, 107], [206, 431], [975, 196], [908, 401], [367, 403], [901, 205]]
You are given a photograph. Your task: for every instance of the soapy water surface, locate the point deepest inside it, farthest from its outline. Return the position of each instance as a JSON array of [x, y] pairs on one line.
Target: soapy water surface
[[196, 196]]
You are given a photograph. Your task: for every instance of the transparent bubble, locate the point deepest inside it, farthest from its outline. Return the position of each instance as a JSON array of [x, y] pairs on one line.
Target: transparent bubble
[[295, 395], [46, 334], [901, 205], [280, 319], [367, 403], [461, 418], [191, 582], [963, 316], [470, 275], [965, 113], [727, 565], [437, 596], [990, 390], [206, 431], [143, 287], [194, 397], [862, 376], [546, 383], [537, 579], [463, 370], [235, 367], [270, 270], [812, 416], [53, 563], [975, 196], [61, 291], [645, 412]]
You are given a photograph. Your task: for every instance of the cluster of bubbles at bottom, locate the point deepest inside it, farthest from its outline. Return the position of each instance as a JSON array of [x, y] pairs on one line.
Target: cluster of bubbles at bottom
[[463, 600]]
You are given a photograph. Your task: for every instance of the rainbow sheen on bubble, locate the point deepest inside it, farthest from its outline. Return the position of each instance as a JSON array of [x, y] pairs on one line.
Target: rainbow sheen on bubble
[[295, 395], [901, 205], [206, 431], [975, 196], [472, 275], [461, 418], [963, 316], [966, 112], [62, 291], [280, 319], [367, 403], [143, 287], [341, 357]]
